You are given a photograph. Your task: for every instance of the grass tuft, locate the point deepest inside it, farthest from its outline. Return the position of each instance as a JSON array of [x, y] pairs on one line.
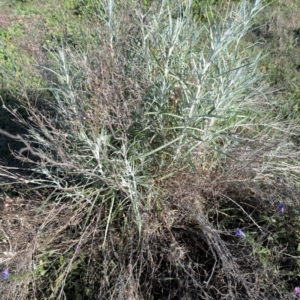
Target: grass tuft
[[143, 151]]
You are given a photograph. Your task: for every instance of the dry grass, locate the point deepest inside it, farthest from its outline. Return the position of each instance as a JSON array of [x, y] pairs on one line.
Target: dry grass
[[127, 161]]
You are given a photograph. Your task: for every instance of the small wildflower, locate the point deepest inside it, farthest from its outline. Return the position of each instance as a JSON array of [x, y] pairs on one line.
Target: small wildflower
[[297, 291], [281, 207], [240, 233], [5, 274], [77, 249]]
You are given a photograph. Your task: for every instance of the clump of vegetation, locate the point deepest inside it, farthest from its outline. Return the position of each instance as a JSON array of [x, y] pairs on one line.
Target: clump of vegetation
[[153, 162]]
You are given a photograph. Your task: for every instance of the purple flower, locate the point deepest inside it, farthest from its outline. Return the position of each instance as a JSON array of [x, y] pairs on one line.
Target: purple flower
[[281, 207], [77, 249], [240, 233], [297, 291], [5, 274]]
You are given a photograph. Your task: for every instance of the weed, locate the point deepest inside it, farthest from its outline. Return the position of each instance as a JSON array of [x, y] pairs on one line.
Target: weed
[[152, 154]]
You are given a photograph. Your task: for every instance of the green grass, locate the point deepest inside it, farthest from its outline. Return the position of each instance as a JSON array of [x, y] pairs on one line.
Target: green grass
[[147, 139]]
